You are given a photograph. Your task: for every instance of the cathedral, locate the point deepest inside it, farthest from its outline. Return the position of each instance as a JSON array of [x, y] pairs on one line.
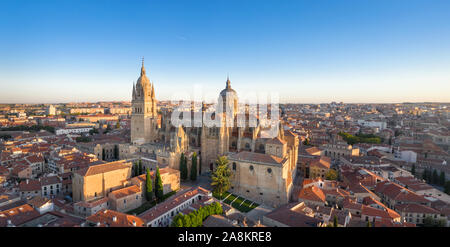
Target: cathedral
[[263, 167]]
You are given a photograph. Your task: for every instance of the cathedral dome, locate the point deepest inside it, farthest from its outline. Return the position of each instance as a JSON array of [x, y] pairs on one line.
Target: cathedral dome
[[228, 97], [143, 80], [228, 90]]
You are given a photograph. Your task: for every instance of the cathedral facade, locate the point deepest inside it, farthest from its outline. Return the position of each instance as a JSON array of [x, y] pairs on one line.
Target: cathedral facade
[[263, 167]]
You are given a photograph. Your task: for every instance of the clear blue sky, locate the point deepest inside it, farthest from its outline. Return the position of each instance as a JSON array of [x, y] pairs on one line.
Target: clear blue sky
[[307, 51]]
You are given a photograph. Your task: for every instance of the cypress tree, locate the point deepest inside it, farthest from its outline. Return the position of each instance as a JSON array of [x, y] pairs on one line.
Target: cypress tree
[[148, 187], [194, 167], [140, 171], [435, 177], [183, 167], [424, 174], [158, 185], [447, 187], [135, 170], [335, 221], [442, 178], [429, 176]]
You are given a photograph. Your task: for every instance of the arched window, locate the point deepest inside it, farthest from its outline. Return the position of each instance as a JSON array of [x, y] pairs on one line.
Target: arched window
[[251, 168], [234, 166], [247, 145], [261, 147], [269, 170]]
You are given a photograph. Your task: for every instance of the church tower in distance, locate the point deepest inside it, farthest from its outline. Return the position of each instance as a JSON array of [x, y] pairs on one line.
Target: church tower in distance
[[144, 113]]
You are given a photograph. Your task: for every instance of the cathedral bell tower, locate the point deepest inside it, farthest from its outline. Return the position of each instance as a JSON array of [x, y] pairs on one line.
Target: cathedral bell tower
[[144, 113]]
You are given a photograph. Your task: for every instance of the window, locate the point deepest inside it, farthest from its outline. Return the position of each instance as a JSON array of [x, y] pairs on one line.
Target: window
[[261, 147], [251, 168], [234, 166], [269, 170]]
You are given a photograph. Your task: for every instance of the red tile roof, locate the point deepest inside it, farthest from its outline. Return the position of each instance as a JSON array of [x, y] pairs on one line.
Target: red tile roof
[[127, 191], [312, 193], [18, 215], [115, 219]]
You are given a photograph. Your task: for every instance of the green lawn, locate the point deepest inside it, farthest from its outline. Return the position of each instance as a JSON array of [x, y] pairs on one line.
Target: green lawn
[[218, 197], [238, 202], [241, 204], [230, 199]]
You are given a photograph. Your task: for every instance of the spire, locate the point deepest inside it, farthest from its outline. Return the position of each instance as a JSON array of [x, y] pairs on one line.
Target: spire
[[153, 90], [134, 90], [142, 68], [228, 82]]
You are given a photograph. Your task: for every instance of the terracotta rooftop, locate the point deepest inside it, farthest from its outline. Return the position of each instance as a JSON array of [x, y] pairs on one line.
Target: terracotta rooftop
[[110, 218], [127, 191], [18, 215], [38, 201], [257, 157], [416, 208], [30, 185], [171, 203], [103, 168], [312, 193], [291, 218]]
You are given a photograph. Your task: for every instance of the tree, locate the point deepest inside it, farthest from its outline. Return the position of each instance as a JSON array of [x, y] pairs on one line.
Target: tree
[[413, 170], [186, 221], [158, 185], [221, 176], [335, 221], [148, 187], [177, 221], [135, 170], [306, 142], [435, 178], [369, 224], [139, 167], [331, 175], [194, 167], [447, 187], [194, 220], [93, 131], [442, 178], [183, 167], [430, 222], [116, 152], [218, 208], [425, 174]]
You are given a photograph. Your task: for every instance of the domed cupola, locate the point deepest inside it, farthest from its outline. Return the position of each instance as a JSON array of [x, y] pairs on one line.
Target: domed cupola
[[229, 96], [143, 86]]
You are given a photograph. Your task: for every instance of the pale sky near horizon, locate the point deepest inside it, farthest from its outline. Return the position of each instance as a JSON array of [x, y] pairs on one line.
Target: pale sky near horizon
[[320, 51]]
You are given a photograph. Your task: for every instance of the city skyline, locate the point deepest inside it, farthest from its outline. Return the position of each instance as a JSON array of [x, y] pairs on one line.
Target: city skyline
[[379, 52]]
